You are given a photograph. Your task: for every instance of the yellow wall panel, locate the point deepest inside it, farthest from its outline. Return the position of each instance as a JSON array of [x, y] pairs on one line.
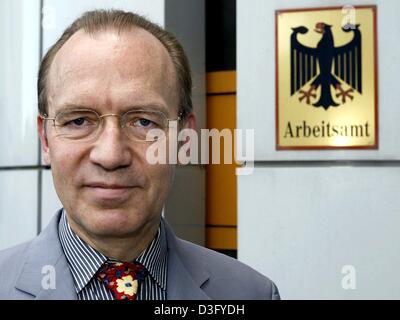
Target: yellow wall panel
[[221, 179], [221, 238], [221, 111], [221, 195], [221, 208], [221, 81]]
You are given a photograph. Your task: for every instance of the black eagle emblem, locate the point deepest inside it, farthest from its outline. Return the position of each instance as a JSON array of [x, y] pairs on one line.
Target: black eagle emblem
[[327, 64]]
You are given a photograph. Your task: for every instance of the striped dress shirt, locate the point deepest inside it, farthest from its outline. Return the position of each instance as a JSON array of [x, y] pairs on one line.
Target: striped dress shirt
[[84, 261]]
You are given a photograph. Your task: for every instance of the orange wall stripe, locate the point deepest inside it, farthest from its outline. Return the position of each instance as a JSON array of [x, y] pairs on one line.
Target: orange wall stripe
[[221, 194], [221, 238], [221, 204], [221, 81]]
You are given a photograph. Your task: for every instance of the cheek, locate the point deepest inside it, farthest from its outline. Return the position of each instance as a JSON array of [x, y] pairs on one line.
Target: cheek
[[64, 164], [161, 177]]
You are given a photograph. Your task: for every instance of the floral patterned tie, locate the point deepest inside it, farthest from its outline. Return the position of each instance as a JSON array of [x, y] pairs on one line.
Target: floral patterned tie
[[122, 278]]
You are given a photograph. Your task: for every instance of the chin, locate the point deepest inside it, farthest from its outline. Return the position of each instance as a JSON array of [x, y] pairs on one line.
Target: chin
[[116, 223]]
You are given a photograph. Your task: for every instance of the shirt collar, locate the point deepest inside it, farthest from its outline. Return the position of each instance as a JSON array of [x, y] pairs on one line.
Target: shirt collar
[[84, 261], [155, 257]]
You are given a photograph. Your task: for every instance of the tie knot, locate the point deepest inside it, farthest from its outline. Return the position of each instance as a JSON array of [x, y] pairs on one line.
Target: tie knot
[[122, 278]]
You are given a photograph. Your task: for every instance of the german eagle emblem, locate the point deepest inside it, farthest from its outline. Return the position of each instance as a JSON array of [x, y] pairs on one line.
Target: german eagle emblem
[[326, 65]]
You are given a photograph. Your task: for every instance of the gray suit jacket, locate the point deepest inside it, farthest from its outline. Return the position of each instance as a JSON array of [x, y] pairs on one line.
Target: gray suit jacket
[[194, 272]]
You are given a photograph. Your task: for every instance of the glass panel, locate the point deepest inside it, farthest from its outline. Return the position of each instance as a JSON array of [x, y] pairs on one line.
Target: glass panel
[[18, 206], [19, 61]]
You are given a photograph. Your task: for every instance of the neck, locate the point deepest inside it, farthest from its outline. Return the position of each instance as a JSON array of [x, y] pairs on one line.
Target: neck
[[123, 248]]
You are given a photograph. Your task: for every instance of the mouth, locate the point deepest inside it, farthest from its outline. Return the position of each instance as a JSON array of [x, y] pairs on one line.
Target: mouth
[[106, 191], [108, 185]]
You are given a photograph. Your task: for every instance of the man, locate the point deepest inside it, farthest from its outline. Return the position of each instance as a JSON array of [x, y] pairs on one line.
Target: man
[[110, 79]]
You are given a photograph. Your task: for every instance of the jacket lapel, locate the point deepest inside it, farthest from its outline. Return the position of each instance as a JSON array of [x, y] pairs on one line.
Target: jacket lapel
[[45, 261], [185, 278]]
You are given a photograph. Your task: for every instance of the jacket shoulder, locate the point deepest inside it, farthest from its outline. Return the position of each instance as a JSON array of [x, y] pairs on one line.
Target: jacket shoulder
[[11, 263], [13, 254], [229, 278]]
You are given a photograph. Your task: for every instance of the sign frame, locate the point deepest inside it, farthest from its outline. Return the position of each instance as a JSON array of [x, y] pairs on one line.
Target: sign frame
[[375, 146]]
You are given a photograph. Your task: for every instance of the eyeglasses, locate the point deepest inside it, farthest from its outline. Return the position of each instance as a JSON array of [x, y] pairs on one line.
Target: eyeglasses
[[85, 124]]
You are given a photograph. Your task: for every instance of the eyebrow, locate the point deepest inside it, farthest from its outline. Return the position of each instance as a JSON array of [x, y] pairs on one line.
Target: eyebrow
[[145, 107]]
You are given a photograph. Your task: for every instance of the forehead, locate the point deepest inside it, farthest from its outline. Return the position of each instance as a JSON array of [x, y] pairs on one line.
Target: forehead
[[112, 69]]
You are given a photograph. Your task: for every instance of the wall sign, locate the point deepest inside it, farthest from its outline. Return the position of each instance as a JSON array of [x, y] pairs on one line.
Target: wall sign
[[326, 78]]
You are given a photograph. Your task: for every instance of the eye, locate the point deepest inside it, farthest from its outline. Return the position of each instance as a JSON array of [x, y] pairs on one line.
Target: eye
[[144, 122], [78, 121], [141, 120]]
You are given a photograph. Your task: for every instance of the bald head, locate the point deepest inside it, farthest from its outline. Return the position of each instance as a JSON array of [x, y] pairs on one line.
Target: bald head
[[111, 68], [107, 30]]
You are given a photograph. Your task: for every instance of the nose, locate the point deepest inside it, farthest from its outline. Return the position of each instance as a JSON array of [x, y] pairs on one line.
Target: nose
[[111, 149]]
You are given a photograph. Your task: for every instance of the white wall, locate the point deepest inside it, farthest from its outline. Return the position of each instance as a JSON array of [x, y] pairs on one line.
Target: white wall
[[19, 61], [18, 206], [256, 78], [61, 13], [303, 215], [309, 222]]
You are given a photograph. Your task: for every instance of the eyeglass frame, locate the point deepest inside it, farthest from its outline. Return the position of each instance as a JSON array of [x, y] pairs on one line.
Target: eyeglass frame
[[120, 116]]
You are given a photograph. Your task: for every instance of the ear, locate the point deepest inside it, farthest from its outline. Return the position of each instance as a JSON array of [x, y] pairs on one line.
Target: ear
[[43, 139], [189, 123]]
